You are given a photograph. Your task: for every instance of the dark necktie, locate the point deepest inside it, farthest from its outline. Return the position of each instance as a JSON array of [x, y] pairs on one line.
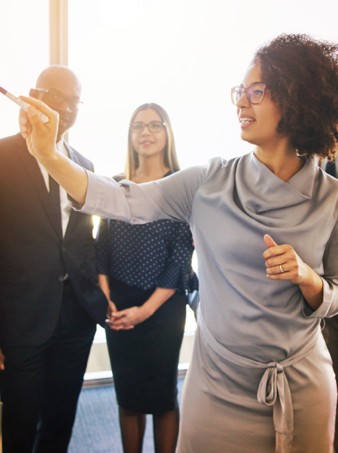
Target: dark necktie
[[54, 196], [330, 168]]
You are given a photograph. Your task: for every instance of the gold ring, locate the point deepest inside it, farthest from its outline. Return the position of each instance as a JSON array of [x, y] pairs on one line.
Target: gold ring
[[281, 268]]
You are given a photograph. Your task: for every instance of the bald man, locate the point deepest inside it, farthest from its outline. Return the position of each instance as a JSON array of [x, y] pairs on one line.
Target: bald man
[[49, 298]]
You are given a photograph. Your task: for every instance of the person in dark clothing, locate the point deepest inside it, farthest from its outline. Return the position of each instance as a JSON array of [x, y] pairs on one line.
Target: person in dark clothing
[[145, 272], [330, 331], [50, 301]]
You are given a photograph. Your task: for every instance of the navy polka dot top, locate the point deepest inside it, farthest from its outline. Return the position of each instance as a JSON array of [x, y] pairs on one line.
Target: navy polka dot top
[[156, 254]]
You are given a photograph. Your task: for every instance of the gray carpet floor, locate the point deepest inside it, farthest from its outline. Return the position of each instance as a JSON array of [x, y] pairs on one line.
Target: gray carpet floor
[[96, 428]]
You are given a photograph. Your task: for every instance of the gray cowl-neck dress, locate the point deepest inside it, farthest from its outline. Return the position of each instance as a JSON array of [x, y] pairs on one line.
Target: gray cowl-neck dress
[[261, 378]]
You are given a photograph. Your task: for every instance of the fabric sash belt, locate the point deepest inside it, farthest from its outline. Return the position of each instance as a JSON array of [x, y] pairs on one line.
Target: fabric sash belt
[[273, 388]]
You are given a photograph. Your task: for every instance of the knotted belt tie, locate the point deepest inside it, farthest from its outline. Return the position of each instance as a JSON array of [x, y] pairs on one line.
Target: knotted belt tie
[[273, 388]]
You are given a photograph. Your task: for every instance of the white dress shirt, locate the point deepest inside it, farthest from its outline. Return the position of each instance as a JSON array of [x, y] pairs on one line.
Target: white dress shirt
[[64, 204]]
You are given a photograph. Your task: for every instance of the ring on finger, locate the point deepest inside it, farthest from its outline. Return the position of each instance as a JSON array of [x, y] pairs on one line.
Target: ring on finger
[[281, 269]]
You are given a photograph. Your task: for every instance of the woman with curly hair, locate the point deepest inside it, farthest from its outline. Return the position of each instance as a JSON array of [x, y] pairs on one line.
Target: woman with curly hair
[[266, 234]]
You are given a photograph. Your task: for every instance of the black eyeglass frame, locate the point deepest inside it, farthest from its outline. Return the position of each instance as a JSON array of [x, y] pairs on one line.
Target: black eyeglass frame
[[247, 91], [162, 123], [78, 102]]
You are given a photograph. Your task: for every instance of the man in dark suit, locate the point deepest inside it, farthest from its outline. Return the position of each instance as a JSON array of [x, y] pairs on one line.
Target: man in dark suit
[[49, 298]]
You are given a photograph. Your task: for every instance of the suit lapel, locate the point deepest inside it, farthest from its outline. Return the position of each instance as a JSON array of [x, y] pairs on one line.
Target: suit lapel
[[72, 155], [32, 168], [73, 215]]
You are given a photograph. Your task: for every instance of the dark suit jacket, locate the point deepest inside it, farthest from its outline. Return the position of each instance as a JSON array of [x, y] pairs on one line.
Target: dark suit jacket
[[33, 254]]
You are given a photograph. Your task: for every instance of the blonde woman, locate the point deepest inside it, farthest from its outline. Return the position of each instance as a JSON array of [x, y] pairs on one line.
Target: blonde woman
[[145, 272]]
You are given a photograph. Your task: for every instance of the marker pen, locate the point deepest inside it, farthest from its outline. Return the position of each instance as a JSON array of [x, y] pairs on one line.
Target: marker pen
[[21, 103]]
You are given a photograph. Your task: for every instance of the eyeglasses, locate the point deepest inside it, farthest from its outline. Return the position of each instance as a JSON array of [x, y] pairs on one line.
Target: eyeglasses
[[57, 98], [255, 93], [154, 127]]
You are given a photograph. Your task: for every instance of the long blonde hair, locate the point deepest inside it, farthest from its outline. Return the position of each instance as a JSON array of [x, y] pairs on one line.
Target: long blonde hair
[[170, 156]]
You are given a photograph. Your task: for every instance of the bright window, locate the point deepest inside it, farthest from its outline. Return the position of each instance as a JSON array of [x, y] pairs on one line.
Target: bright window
[[24, 37], [183, 54]]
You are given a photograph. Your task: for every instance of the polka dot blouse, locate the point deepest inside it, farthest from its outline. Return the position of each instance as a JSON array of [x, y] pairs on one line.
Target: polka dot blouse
[[156, 254]]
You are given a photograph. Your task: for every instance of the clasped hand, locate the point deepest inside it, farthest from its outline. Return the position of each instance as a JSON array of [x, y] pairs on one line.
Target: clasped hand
[[125, 319]]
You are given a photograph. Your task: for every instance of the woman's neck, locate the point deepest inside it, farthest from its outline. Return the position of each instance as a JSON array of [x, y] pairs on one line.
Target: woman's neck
[[150, 169], [281, 158]]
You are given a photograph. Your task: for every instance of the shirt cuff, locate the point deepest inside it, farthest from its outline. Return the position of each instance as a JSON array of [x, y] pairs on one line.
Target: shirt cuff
[[323, 310], [91, 203]]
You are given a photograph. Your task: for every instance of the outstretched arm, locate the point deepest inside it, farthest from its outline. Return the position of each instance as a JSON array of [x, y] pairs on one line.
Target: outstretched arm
[[41, 143], [171, 197]]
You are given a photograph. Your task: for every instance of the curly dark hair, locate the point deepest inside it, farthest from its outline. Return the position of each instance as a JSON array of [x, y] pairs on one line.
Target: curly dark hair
[[302, 75]]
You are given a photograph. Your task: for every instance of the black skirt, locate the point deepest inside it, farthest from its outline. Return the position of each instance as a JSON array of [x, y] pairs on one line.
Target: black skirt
[[144, 360]]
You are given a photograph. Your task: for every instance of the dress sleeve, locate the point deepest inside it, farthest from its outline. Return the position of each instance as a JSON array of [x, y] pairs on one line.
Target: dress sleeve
[[329, 307], [103, 248], [178, 273], [168, 198]]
